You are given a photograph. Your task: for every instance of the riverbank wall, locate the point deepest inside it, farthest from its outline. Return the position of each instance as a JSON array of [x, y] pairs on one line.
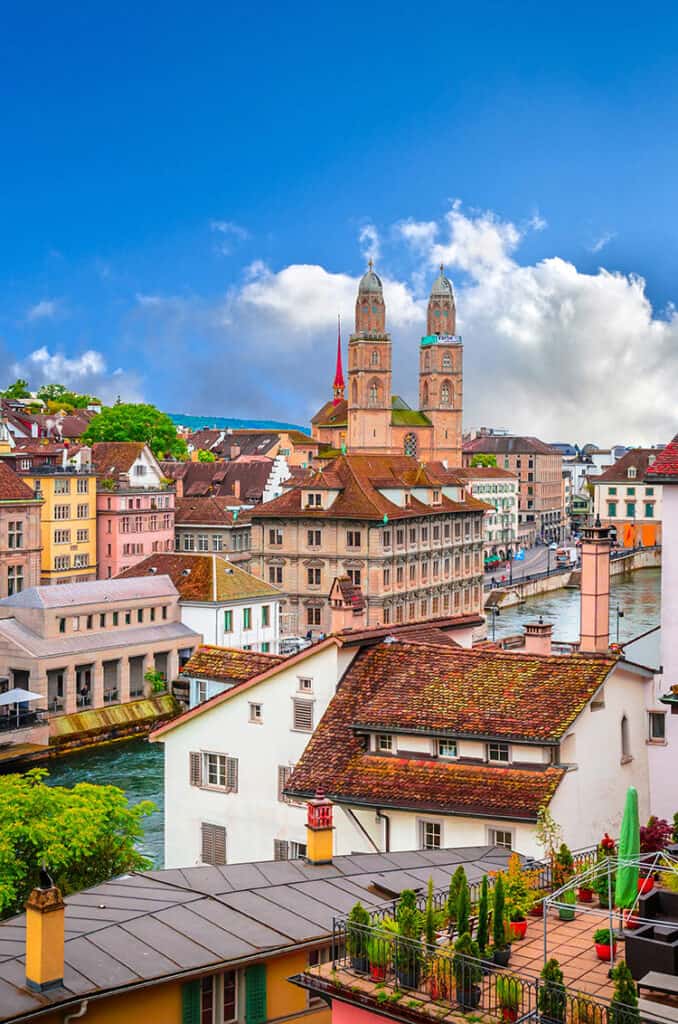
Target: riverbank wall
[[518, 591]]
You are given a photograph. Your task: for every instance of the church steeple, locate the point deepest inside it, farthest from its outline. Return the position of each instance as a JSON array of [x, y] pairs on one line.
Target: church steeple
[[339, 386], [370, 310], [441, 316]]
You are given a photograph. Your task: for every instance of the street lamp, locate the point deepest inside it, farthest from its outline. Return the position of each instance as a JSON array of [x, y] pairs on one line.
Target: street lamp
[[548, 560], [620, 615], [494, 612]]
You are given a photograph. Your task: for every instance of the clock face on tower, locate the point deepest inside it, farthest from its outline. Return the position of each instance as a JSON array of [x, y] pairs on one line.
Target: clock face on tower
[[375, 309]]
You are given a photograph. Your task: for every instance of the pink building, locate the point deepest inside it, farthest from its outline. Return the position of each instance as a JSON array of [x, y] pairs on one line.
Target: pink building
[[135, 506]]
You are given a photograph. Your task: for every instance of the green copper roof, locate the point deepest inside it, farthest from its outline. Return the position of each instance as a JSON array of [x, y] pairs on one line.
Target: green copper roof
[[409, 418]]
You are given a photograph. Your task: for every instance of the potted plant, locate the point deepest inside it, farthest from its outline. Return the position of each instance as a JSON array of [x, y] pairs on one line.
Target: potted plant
[[563, 866], [429, 917], [537, 908], [357, 934], [379, 949], [408, 950], [605, 943], [624, 1005], [456, 881], [602, 886], [509, 996], [156, 680], [585, 893], [441, 975], [518, 897], [463, 916], [630, 920], [483, 932], [467, 971], [569, 899], [552, 997], [501, 953]]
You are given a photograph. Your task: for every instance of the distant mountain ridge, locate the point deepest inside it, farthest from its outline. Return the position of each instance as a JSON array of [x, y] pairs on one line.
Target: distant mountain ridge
[[226, 423]]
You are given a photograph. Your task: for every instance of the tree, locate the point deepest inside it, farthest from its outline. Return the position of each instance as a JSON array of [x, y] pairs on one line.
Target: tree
[[19, 389], [58, 396], [463, 908], [83, 835], [483, 460], [483, 921], [456, 881], [205, 456], [130, 422], [624, 1005]]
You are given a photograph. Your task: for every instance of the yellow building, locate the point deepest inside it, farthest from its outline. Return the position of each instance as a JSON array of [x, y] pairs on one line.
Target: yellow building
[[68, 522]]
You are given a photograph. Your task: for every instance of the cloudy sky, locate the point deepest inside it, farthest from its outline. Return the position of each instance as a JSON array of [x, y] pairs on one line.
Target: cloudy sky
[[186, 212]]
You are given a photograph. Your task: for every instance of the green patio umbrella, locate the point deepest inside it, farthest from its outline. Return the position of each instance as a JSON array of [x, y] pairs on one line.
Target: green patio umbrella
[[626, 888]]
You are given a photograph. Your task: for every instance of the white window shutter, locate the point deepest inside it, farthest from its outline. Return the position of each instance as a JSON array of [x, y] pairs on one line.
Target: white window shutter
[[232, 774], [195, 768]]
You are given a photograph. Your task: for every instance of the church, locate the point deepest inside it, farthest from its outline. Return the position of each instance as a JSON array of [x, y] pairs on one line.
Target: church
[[370, 419]]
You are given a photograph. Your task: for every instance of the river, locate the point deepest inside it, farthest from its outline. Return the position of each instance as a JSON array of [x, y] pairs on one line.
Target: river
[[137, 766]]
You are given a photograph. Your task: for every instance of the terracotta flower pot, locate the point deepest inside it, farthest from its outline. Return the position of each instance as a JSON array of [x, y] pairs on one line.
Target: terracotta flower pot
[[585, 895], [645, 884], [603, 951], [537, 910], [509, 1014], [630, 920], [518, 929], [377, 972]]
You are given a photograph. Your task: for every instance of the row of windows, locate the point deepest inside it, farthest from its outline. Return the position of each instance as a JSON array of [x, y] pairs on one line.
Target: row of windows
[[141, 523], [247, 618], [159, 501], [64, 536], [106, 619], [467, 597], [413, 534], [80, 561], [431, 836], [190, 542], [64, 511], [495, 752], [631, 509], [63, 485], [631, 491]]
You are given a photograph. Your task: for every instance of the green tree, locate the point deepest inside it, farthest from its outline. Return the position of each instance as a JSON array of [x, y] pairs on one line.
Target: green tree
[[19, 389], [624, 1005], [130, 422], [463, 908], [483, 460], [205, 456], [58, 396], [429, 917], [83, 835], [498, 922], [456, 881], [483, 922]]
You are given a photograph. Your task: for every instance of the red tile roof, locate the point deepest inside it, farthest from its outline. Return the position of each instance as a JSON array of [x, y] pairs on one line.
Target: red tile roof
[[358, 477], [111, 458], [203, 577], [507, 444], [210, 511], [228, 663], [406, 687], [665, 466], [11, 487], [331, 415], [637, 459]]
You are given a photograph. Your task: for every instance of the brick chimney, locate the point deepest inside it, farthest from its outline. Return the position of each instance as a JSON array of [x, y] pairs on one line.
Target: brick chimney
[[347, 606], [236, 489], [319, 829], [179, 487], [595, 589], [538, 636], [44, 936]]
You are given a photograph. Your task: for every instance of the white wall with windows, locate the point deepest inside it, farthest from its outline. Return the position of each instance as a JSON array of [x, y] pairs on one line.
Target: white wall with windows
[[251, 624], [225, 769]]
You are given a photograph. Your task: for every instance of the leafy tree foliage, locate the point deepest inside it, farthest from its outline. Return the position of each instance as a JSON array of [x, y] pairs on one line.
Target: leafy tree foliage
[[19, 389], [483, 460], [58, 396], [130, 422], [83, 835], [205, 456]]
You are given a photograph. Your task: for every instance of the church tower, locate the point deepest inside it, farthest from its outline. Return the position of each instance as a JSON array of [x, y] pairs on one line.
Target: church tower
[[440, 373], [369, 371]]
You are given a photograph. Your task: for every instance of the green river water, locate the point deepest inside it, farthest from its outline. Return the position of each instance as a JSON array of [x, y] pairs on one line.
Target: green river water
[[137, 766]]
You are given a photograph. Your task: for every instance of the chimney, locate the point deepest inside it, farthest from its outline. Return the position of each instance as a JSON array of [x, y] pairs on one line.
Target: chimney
[[236, 489], [538, 637], [319, 830], [347, 606], [595, 589], [179, 487], [235, 450], [44, 936]]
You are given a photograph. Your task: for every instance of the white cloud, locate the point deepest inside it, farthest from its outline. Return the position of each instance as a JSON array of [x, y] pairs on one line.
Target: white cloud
[[87, 372], [537, 222], [420, 234], [602, 241], [370, 245], [46, 309], [228, 232]]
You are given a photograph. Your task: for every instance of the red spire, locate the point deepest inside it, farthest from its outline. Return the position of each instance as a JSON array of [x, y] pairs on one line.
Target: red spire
[[339, 385]]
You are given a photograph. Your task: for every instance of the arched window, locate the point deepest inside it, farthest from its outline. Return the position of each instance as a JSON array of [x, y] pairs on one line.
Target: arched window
[[625, 739], [445, 393], [425, 394], [427, 361], [374, 393], [410, 444], [447, 361], [354, 394], [374, 358]]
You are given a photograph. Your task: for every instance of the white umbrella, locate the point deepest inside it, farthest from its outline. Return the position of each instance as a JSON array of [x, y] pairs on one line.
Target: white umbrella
[[18, 696]]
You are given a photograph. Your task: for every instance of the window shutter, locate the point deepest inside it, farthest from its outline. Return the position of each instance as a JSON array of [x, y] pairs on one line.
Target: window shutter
[[232, 774], [284, 773], [190, 1002], [195, 769], [213, 843], [255, 994], [281, 849], [303, 715]]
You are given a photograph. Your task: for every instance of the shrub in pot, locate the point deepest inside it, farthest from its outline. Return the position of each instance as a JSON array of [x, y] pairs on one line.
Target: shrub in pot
[[357, 935], [467, 971], [552, 995], [569, 899], [509, 996], [563, 866], [600, 883], [408, 950], [518, 897], [456, 881], [585, 894], [605, 943], [441, 975], [624, 1005], [483, 932], [379, 952], [501, 953]]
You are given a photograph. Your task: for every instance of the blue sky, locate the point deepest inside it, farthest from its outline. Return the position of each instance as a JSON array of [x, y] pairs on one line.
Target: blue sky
[[184, 190]]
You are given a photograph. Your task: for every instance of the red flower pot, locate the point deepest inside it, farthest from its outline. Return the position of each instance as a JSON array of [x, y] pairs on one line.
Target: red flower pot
[[377, 972], [603, 951], [518, 929], [630, 920], [645, 884], [585, 895], [537, 910], [509, 1015]]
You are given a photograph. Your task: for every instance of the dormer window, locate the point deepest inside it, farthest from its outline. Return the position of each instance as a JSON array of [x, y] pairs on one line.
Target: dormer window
[[436, 497], [385, 743], [498, 752], [447, 748], [314, 499], [632, 473]]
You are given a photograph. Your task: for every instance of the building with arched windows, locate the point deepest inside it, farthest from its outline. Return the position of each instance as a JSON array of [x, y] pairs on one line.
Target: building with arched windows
[[371, 420]]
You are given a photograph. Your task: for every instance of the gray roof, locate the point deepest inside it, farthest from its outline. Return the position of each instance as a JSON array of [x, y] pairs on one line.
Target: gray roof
[[69, 595], [370, 282], [442, 285], [92, 643], [161, 924]]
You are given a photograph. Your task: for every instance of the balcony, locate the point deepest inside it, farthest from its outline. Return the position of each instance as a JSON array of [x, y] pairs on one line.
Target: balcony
[[13, 721]]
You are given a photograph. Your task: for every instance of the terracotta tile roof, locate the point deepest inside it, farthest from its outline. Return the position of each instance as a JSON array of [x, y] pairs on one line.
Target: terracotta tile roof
[[637, 459], [111, 458], [204, 479], [207, 512], [331, 415], [358, 478], [406, 687], [666, 463], [505, 444], [351, 594], [465, 473], [203, 577], [11, 487], [228, 663]]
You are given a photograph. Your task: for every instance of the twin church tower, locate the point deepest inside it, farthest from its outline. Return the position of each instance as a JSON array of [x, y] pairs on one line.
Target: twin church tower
[[370, 420]]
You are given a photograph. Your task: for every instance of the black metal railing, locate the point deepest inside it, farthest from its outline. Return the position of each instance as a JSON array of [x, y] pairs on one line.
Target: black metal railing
[[11, 721]]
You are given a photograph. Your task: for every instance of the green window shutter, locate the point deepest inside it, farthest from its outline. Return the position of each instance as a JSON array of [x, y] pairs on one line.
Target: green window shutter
[[190, 1002], [255, 994]]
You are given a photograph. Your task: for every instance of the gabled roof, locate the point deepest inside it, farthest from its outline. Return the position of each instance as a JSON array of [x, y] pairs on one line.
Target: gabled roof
[[228, 663], [507, 444], [445, 691], [331, 415], [638, 459], [202, 577], [111, 458], [202, 479], [665, 466], [12, 488], [210, 511]]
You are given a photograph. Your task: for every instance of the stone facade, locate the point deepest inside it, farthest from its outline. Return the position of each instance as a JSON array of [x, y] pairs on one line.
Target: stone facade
[[19, 534]]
